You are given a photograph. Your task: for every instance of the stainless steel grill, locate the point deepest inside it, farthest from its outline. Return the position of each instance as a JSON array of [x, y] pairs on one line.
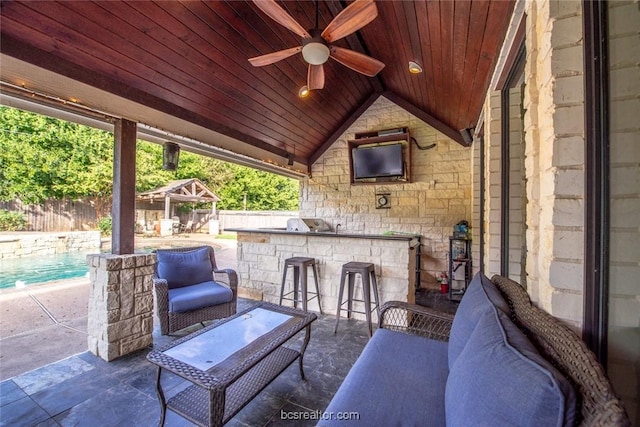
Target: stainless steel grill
[[307, 225]]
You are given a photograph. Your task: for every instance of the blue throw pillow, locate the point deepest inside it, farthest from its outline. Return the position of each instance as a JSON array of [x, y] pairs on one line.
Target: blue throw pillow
[[500, 379], [480, 297], [185, 268]]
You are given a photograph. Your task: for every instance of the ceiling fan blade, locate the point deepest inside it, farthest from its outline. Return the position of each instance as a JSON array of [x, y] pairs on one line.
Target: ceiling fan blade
[[357, 61], [351, 19], [315, 77], [278, 14], [270, 58]]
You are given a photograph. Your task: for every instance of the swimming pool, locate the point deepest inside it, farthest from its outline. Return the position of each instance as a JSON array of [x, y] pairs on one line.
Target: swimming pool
[[25, 271]]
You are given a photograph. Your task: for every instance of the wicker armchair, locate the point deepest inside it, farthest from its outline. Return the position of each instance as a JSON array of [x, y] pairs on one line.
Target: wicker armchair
[[188, 289]]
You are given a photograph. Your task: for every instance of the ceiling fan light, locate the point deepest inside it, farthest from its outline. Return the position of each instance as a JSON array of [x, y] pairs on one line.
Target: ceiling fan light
[[414, 67], [315, 53], [304, 91]]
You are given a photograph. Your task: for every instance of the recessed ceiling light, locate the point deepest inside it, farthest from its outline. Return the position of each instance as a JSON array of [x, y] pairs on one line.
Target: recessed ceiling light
[[304, 92], [414, 67]]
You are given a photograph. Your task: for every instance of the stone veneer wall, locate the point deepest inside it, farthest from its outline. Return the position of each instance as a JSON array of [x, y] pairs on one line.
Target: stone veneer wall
[[438, 196], [554, 140], [33, 244], [492, 168], [554, 163], [554, 160], [120, 319], [624, 256]]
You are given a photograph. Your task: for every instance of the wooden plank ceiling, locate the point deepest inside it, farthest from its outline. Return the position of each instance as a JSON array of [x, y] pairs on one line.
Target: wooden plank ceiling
[[189, 59]]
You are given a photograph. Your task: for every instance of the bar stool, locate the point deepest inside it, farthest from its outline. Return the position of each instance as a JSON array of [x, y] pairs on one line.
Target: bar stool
[[300, 294], [367, 272]]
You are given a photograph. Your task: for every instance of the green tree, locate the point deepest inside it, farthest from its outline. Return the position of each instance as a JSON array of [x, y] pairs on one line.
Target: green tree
[[42, 157], [263, 191]]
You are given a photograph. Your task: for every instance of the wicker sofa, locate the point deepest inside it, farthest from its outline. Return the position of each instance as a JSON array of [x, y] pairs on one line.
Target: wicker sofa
[[500, 361]]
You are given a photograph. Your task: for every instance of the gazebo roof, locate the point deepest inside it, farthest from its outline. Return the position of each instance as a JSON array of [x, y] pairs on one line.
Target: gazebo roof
[[181, 190]]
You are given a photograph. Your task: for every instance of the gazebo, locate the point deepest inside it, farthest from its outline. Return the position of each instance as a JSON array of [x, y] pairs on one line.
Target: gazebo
[[180, 191]]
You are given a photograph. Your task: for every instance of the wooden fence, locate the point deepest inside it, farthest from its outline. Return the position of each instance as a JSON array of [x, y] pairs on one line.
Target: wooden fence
[[80, 215], [56, 215]]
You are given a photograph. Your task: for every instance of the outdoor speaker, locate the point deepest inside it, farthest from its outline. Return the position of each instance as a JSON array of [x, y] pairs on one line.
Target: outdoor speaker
[[467, 137]]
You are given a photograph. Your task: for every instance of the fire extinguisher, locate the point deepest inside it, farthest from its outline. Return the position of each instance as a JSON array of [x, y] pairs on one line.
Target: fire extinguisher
[[444, 283]]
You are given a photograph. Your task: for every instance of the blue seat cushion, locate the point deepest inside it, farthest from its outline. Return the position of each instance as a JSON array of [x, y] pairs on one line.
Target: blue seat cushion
[[398, 380], [198, 296], [500, 379], [185, 268], [480, 296]]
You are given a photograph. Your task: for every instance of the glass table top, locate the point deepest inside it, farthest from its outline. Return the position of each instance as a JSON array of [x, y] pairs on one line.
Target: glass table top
[[212, 347]]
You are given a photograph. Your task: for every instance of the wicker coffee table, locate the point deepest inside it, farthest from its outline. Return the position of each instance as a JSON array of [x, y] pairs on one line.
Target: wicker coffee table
[[230, 361]]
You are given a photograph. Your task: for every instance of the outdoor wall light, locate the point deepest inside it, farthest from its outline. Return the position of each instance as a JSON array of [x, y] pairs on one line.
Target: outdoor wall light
[[414, 67], [170, 155]]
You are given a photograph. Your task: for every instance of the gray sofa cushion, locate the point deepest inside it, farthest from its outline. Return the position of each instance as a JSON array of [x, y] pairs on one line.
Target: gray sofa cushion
[[197, 296], [185, 268], [398, 380], [500, 379], [479, 299]]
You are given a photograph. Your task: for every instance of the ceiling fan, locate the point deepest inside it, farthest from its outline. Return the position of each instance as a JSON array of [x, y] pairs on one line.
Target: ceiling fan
[[316, 44]]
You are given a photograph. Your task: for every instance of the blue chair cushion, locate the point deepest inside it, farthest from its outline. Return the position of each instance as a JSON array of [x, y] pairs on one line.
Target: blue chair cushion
[[500, 379], [481, 295], [399, 379], [198, 296], [185, 268]]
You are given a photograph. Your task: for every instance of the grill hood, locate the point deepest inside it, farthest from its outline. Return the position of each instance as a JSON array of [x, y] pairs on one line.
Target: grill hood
[[307, 225]]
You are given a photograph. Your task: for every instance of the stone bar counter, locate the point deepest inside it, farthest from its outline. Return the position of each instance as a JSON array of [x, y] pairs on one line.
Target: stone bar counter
[[261, 255]]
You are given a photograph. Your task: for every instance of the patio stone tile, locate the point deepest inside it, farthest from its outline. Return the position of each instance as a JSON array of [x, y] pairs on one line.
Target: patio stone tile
[[60, 343], [174, 420], [261, 409], [121, 405], [48, 423], [22, 412], [86, 390], [73, 391], [315, 393], [144, 380], [51, 375], [287, 382], [10, 392]]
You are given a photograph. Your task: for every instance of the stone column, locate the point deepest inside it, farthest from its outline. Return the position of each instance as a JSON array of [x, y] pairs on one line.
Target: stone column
[[120, 304]]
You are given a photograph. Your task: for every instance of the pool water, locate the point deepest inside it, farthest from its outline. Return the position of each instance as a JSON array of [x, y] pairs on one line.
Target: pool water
[[25, 271]]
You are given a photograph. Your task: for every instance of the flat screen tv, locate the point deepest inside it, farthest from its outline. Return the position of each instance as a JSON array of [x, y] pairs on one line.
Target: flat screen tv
[[378, 161]]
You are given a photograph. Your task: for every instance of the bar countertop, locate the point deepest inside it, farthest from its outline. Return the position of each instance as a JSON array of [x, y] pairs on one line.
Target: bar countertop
[[391, 235]]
